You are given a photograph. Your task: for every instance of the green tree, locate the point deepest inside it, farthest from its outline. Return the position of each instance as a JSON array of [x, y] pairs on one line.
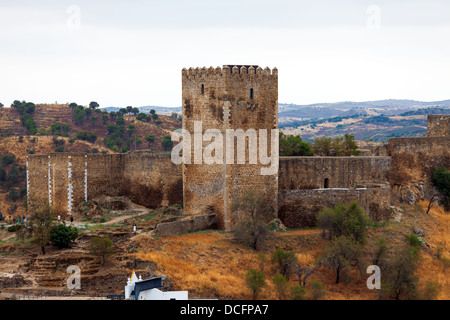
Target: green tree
[[93, 120], [41, 225], [286, 261], [255, 281], [349, 220], [79, 114], [93, 105], [150, 138], [167, 143], [62, 236], [101, 247], [294, 146]]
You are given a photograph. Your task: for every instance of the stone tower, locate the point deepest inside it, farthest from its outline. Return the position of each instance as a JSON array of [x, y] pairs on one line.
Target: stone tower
[[224, 100]]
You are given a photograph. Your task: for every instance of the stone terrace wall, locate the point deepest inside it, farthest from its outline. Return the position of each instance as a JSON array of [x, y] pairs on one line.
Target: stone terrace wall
[[298, 173], [152, 180]]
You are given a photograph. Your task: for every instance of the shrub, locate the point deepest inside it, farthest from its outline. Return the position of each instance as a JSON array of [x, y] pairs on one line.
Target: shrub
[[413, 240], [285, 261], [298, 292], [62, 236], [101, 247], [347, 220], [255, 281], [317, 290], [14, 227], [281, 285], [441, 179]]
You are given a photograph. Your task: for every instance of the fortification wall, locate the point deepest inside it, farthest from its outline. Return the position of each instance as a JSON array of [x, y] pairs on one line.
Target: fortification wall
[[65, 180], [299, 208], [243, 97], [152, 180], [298, 173], [413, 162], [438, 126]]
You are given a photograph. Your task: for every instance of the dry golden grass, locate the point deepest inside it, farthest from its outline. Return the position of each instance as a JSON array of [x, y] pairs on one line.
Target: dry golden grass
[[209, 264], [438, 236]]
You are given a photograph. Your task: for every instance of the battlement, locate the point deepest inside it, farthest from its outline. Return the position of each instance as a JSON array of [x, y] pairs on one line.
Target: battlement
[[227, 71]]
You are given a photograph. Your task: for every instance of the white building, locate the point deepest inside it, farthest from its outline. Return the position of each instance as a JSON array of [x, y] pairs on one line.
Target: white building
[[138, 289]]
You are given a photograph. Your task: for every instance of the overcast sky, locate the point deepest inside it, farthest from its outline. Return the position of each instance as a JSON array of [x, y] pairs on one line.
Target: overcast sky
[[122, 53]]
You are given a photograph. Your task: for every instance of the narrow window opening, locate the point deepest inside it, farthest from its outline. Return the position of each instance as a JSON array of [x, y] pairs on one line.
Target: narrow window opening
[[251, 94], [326, 183], [203, 89]]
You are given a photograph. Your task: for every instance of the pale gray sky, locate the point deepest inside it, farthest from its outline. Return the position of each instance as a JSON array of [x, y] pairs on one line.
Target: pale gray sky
[[122, 53]]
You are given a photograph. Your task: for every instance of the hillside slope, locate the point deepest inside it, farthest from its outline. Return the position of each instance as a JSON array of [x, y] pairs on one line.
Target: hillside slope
[[45, 115]]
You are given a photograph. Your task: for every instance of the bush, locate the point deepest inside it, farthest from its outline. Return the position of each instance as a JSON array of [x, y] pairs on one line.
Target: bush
[[62, 236], [281, 285], [347, 220], [317, 290], [14, 227], [285, 261], [255, 281], [441, 179], [298, 292], [101, 247], [413, 240]]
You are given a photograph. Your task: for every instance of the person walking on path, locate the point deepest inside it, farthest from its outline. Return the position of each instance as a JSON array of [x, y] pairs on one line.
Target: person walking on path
[[71, 220], [134, 227]]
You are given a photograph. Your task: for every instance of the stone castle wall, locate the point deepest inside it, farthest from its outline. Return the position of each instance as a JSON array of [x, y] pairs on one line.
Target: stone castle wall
[[65, 180], [308, 184], [299, 208], [243, 97], [413, 162], [337, 172], [438, 126]]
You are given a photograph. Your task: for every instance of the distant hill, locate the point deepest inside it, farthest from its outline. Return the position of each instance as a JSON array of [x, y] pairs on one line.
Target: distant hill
[[45, 115], [290, 112], [146, 109]]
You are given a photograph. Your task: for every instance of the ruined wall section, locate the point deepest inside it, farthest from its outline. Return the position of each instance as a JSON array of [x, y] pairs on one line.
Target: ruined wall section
[[438, 126], [237, 97], [152, 180], [413, 162], [309, 184], [299, 208]]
